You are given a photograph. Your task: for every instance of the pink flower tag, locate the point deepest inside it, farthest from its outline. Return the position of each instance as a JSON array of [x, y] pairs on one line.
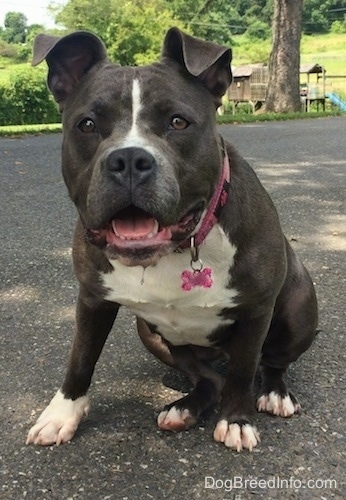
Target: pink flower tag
[[192, 279]]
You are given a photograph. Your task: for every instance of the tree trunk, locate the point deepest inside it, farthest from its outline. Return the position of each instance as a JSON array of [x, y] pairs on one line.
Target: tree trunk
[[283, 93]]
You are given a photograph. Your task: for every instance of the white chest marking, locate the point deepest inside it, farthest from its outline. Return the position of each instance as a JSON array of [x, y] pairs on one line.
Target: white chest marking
[[155, 294]]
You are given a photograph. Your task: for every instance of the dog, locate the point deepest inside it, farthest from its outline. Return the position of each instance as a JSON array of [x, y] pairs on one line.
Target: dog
[[174, 225]]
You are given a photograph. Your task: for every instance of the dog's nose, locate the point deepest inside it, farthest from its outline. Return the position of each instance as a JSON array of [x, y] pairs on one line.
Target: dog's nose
[[135, 164]]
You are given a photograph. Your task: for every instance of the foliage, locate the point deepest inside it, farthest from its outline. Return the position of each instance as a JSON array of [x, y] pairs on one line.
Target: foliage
[[16, 38], [135, 35], [315, 16], [258, 30], [24, 52], [215, 20], [131, 31], [247, 50], [86, 14], [339, 26], [8, 50], [319, 16], [15, 27], [25, 99]]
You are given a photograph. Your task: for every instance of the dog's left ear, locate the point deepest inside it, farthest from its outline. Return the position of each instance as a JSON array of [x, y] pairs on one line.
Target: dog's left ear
[[207, 61], [69, 58]]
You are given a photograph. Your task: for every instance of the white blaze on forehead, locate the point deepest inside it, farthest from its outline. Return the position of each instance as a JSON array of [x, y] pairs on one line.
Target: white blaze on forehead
[[136, 104], [134, 137]]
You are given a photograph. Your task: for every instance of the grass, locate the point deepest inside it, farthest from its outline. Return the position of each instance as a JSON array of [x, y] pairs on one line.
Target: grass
[[251, 118], [330, 52], [15, 130]]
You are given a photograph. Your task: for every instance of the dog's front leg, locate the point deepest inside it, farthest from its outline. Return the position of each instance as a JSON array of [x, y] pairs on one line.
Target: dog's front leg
[[59, 421], [235, 428]]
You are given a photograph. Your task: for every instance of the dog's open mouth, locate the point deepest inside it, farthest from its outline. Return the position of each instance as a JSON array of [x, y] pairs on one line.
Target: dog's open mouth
[[135, 225], [135, 236]]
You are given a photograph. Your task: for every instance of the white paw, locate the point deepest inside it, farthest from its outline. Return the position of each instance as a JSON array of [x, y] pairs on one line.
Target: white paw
[[175, 419], [276, 405], [235, 436], [59, 421]]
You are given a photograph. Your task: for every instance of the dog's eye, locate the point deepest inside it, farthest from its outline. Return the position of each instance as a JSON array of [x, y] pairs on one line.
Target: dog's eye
[[87, 126], [179, 123]]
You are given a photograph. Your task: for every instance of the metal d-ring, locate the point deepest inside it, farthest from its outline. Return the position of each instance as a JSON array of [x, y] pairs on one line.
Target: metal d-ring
[[196, 263]]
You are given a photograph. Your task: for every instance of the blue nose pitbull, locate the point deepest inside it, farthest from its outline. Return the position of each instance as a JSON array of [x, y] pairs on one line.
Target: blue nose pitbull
[[174, 225]]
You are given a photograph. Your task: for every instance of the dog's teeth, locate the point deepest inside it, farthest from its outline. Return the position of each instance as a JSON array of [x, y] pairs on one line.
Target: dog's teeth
[[148, 236], [114, 227], [121, 236], [154, 231], [156, 228]]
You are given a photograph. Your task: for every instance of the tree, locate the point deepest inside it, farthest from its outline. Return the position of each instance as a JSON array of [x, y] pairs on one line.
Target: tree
[[283, 93], [15, 27], [85, 14], [214, 20], [315, 16], [132, 31], [134, 35]]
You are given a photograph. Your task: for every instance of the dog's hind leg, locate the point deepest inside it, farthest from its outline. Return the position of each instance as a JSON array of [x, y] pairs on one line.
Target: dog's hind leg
[[292, 331], [184, 413]]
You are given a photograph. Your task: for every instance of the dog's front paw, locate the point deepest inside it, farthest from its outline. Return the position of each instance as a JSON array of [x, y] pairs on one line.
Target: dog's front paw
[[175, 419], [59, 421], [283, 406], [236, 436]]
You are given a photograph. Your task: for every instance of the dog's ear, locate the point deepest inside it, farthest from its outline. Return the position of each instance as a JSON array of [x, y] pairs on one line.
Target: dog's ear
[[207, 61], [69, 58]]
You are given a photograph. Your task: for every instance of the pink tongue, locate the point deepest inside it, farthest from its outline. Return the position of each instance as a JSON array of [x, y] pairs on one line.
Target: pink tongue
[[134, 228]]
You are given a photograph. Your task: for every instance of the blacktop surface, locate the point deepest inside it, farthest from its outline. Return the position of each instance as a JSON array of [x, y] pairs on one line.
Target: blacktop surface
[[118, 453]]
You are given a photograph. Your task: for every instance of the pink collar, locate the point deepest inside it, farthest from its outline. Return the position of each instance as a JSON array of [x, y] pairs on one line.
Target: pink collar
[[215, 206]]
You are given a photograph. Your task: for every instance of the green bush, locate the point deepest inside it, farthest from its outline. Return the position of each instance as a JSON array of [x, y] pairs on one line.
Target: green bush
[[7, 50], [339, 26], [25, 99], [258, 30], [24, 52]]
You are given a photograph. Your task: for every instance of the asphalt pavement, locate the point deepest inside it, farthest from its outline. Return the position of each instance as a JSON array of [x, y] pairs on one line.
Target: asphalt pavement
[[118, 453]]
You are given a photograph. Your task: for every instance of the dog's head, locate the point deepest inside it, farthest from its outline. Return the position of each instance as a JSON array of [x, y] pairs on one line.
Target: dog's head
[[141, 156]]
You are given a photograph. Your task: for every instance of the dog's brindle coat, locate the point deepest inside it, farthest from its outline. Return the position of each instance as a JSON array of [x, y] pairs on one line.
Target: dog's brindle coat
[[141, 158]]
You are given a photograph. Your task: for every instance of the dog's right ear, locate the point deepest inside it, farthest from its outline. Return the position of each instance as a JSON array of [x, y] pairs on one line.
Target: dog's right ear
[[69, 58]]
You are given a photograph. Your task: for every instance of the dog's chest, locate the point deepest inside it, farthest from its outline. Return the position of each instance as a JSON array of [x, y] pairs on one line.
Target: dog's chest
[[184, 310]]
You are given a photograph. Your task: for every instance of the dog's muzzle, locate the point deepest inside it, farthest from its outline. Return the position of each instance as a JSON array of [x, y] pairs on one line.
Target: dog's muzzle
[[134, 235]]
